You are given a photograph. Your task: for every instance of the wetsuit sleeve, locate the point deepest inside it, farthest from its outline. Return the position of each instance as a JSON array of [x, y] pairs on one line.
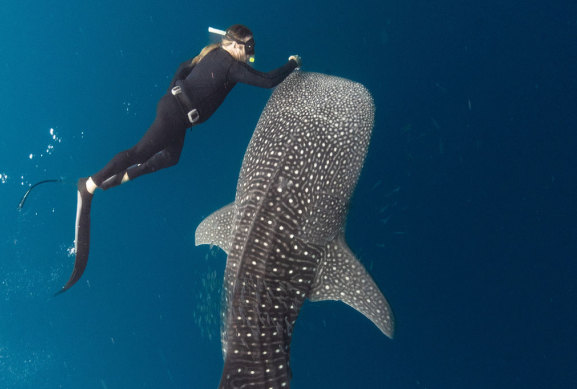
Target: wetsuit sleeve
[[241, 72]]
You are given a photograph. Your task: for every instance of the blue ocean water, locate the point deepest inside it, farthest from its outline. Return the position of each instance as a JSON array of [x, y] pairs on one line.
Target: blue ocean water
[[464, 213]]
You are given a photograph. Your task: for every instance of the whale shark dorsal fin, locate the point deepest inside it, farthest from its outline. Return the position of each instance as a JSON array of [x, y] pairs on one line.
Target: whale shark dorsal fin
[[216, 228], [342, 277]]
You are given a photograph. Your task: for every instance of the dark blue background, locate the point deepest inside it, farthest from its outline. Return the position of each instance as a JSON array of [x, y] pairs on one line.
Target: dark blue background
[[464, 214]]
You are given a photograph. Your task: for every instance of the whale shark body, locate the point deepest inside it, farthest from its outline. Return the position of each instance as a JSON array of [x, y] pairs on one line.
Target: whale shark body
[[284, 233]]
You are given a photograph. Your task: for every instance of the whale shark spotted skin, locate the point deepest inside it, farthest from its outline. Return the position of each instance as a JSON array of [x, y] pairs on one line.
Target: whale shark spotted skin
[[284, 233]]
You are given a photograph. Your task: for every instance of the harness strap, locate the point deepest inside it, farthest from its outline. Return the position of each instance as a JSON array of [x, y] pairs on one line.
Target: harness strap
[[185, 104]]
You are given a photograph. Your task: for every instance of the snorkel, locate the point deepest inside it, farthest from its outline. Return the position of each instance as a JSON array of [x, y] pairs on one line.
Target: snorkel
[[249, 45]]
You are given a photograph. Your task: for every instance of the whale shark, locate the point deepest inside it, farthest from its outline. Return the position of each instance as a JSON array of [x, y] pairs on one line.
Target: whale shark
[[284, 234]]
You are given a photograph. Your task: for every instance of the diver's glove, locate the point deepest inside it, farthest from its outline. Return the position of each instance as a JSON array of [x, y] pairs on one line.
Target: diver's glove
[[297, 59]]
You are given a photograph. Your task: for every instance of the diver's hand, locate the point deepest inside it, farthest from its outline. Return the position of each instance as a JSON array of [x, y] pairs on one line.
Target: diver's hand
[[297, 59]]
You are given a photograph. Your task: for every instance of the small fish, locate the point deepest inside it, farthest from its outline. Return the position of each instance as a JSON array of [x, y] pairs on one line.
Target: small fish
[[385, 220]]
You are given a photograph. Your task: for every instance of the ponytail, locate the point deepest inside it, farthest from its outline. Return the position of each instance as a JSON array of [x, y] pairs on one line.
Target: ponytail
[[204, 52]]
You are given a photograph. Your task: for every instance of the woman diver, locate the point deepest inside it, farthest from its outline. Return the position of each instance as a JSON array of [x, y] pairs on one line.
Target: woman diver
[[196, 91]]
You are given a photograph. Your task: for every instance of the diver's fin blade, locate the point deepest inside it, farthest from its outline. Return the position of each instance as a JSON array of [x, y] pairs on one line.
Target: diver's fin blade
[[82, 236], [216, 228], [23, 199]]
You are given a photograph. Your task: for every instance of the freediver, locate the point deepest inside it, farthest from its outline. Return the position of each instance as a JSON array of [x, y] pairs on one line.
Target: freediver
[[196, 91]]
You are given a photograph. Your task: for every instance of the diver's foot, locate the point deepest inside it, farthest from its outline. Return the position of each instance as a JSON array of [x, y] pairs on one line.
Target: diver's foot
[[83, 192]]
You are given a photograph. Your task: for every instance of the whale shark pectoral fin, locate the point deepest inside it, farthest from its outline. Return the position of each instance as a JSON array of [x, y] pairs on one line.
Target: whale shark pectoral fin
[[342, 277], [216, 228]]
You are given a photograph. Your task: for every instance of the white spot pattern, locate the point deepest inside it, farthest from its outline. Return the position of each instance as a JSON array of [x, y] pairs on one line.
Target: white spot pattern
[[283, 234]]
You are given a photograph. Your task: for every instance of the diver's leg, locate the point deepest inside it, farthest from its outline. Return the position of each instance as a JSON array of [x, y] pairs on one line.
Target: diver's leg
[[115, 180], [161, 160], [86, 187], [163, 132], [150, 143]]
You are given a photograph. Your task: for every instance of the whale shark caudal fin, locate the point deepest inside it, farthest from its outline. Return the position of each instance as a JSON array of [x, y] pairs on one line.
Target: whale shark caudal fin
[[216, 229], [341, 276], [82, 234]]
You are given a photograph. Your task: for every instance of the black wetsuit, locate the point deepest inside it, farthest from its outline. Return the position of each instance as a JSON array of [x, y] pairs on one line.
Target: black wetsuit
[[206, 84]]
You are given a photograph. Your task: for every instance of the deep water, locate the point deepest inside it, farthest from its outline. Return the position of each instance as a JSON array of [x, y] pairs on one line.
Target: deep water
[[464, 214]]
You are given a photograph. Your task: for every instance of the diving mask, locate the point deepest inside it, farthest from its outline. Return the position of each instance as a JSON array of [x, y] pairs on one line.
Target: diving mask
[[248, 45]]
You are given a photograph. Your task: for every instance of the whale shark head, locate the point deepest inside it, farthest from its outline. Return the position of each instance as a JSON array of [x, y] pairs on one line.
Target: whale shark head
[[284, 233]]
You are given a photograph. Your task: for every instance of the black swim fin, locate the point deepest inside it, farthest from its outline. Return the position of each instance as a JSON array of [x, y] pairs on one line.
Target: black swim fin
[[23, 199], [82, 235]]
